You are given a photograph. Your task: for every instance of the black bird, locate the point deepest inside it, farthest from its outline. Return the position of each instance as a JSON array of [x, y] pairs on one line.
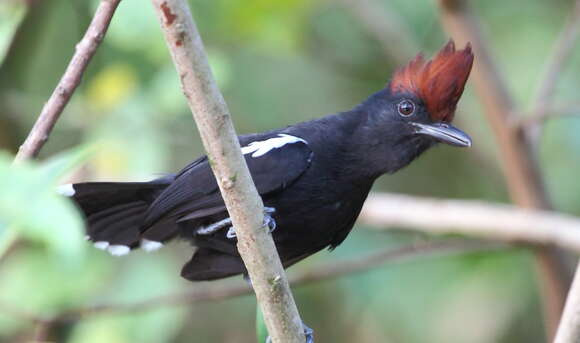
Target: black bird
[[313, 176]]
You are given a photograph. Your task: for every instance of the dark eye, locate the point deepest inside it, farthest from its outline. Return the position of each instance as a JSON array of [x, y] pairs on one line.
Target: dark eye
[[406, 108]]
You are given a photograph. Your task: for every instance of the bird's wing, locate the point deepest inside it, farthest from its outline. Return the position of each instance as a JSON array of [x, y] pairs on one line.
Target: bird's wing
[[275, 163]]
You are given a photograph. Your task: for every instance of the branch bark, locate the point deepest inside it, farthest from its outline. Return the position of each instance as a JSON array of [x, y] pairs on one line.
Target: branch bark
[[85, 50], [244, 205], [520, 167], [476, 219]]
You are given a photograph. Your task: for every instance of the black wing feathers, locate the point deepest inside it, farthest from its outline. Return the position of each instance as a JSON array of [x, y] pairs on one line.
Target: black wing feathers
[[194, 193]]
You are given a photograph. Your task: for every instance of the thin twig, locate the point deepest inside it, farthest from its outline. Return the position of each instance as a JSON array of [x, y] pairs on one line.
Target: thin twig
[[561, 54], [85, 50], [325, 272], [476, 219], [395, 39], [539, 117], [520, 167], [244, 205], [569, 328]]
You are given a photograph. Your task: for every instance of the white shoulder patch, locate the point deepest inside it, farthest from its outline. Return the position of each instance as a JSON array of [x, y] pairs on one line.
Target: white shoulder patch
[[66, 190], [260, 148]]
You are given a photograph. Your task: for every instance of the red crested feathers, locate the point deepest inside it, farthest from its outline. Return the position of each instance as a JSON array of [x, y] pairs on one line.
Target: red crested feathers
[[439, 82]]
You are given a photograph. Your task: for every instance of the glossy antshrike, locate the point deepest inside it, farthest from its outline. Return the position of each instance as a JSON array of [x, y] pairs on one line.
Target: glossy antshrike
[[313, 176]]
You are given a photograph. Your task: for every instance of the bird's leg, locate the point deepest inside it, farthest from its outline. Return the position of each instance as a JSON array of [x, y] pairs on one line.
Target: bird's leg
[[269, 222], [308, 333], [208, 230]]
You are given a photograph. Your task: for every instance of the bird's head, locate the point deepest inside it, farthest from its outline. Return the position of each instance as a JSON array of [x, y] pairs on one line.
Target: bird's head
[[415, 110], [424, 94]]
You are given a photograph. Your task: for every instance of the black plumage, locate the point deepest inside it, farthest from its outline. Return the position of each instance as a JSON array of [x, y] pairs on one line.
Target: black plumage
[[315, 176]]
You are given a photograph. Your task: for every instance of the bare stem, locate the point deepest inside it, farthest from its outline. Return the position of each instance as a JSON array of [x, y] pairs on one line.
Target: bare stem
[[569, 328], [244, 205], [85, 50], [476, 219]]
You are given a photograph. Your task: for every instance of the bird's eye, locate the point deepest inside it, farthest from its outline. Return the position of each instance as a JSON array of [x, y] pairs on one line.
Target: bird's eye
[[406, 108]]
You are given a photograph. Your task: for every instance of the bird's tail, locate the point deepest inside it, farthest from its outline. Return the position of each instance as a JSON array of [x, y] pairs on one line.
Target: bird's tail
[[114, 211]]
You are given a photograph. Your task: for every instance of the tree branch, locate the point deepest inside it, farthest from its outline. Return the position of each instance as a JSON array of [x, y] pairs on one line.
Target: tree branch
[[476, 219], [520, 167], [323, 272], [244, 205], [85, 50]]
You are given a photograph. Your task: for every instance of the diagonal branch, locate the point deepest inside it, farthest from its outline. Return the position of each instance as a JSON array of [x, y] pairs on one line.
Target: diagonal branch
[[569, 328], [244, 205], [85, 50]]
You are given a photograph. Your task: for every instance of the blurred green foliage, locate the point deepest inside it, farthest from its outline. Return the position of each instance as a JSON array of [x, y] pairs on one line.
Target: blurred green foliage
[[277, 62]]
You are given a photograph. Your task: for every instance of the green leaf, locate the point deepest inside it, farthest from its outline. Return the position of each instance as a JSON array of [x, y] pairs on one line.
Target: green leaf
[[31, 207]]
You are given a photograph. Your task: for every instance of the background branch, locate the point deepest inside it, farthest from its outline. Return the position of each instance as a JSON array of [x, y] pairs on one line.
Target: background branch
[[84, 52], [244, 205], [539, 116], [475, 219], [324, 272], [561, 53], [395, 39], [521, 171], [569, 328]]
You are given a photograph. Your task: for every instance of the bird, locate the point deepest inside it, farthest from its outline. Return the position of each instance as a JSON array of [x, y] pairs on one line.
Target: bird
[[313, 177]]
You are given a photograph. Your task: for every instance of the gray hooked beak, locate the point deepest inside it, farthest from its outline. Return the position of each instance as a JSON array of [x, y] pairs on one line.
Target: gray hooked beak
[[444, 133]]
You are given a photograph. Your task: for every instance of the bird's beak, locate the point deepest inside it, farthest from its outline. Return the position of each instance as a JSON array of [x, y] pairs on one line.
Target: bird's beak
[[445, 133]]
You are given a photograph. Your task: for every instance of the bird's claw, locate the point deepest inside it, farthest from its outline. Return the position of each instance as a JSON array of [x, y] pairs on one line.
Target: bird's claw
[[308, 333], [269, 222]]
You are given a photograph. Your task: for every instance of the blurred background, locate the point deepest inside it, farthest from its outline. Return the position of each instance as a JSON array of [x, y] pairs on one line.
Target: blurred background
[[277, 63]]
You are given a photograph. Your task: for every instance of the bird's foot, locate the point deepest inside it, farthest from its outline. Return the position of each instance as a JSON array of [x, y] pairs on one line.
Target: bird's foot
[[308, 333], [269, 222]]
